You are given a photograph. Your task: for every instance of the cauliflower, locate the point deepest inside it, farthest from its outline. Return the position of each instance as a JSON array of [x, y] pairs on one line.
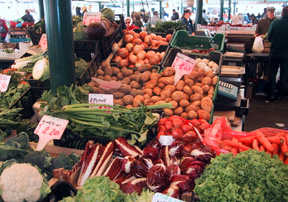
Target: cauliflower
[[21, 182]]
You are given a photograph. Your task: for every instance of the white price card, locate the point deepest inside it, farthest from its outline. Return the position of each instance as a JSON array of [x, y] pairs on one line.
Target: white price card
[[4, 82], [158, 197], [43, 42], [90, 17], [49, 128], [182, 65], [105, 99]]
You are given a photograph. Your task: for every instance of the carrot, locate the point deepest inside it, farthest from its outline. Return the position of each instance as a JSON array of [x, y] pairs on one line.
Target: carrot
[[284, 147], [261, 138], [276, 149], [275, 139], [286, 136], [262, 148], [247, 140], [236, 144], [281, 134], [286, 161], [234, 149], [255, 144], [281, 156]]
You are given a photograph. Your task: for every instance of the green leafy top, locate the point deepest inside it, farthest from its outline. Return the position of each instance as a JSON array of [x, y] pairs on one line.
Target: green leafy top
[[163, 27], [248, 176]]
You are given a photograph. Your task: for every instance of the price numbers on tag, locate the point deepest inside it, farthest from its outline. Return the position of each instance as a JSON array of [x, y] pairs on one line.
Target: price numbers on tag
[[164, 198], [104, 99], [49, 128], [91, 17], [4, 82], [182, 65]]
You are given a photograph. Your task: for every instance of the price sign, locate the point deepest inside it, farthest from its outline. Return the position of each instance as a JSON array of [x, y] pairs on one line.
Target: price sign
[[107, 85], [4, 82], [105, 99], [164, 198], [43, 42], [49, 128], [182, 65], [91, 17]]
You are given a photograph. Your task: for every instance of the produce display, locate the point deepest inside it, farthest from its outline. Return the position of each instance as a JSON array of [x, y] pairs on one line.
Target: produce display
[[163, 27]]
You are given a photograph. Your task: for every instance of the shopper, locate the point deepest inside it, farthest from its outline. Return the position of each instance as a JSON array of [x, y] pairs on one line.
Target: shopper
[[27, 17], [185, 20], [278, 36], [4, 29], [137, 20], [155, 19], [129, 25], [264, 14], [78, 11], [253, 19], [175, 15]]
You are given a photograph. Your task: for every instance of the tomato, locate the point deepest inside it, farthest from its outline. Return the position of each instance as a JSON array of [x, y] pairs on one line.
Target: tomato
[[161, 127], [195, 122], [160, 133], [177, 133], [190, 136], [168, 125], [177, 123], [204, 126], [187, 148], [186, 128], [162, 121]]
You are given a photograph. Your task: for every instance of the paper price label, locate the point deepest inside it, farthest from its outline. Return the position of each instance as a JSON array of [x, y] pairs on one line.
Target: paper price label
[[182, 65], [91, 17], [43, 42], [49, 128], [164, 198], [4, 82], [104, 99]]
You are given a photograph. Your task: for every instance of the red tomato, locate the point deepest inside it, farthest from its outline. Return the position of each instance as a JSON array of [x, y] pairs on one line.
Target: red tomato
[[190, 136], [177, 133], [161, 127], [187, 148], [177, 123], [186, 128], [195, 122], [168, 125], [160, 133], [162, 121], [204, 126]]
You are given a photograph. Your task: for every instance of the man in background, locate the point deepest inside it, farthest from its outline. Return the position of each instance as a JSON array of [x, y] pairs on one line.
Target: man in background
[[155, 18], [27, 17], [175, 15], [278, 36]]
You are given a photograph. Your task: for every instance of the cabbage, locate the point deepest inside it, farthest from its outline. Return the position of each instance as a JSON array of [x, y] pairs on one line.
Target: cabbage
[[41, 70], [108, 13], [79, 32]]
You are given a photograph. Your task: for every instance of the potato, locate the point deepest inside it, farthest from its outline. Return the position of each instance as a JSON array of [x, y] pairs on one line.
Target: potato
[[137, 101], [161, 85], [151, 103], [126, 80], [197, 103], [187, 97], [196, 97], [168, 112], [214, 80], [160, 102], [203, 114], [118, 95], [185, 77], [99, 72], [178, 110], [198, 84], [180, 84], [174, 104], [194, 75], [100, 77], [154, 71], [155, 98], [168, 100], [184, 103], [114, 78], [127, 72], [191, 107], [146, 96], [128, 99], [143, 68], [187, 90], [207, 104], [135, 92], [133, 77], [118, 102], [192, 115], [107, 78], [189, 82], [140, 98], [201, 72], [135, 84], [108, 70], [197, 89], [209, 74], [146, 102], [206, 61], [115, 71], [178, 95], [167, 80], [168, 71], [111, 91], [136, 73], [155, 76], [148, 91], [129, 106], [205, 88], [157, 91], [120, 76], [206, 81], [215, 67], [184, 115], [164, 94], [125, 88], [150, 84], [105, 63], [145, 76], [171, 88], [96, 90]]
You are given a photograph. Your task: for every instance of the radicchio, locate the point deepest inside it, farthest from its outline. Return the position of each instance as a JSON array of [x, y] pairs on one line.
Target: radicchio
[[134, 185], [202, 154], [173, 170], [175, 149], [126, 164], [125, 148], [158, 161], [155, 144], [150, 152], [166, 157], [184, 182], [157, 178], [172, 191], [113, 169], [124, 177], [194, 169], [140, 167]]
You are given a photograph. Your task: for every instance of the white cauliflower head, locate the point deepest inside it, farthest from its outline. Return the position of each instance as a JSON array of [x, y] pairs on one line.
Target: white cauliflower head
[[21, 182]]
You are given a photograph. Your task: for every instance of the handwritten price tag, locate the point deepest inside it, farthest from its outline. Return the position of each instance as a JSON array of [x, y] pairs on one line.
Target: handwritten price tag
[[43, 42], [49, 128], [182, 65], [4, 82], [101, 99], [107, 85], [91, 17], [164, 198]]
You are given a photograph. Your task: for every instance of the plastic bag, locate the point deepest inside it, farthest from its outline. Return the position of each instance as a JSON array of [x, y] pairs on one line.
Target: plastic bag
[[258, 46]]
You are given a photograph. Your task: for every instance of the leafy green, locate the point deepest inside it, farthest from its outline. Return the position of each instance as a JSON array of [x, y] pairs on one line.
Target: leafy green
[[146, 196], [248, 176], [80, 66], [163, 27], [65, 161]]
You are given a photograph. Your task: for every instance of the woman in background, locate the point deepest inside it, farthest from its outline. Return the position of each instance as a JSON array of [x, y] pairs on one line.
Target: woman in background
[[4, 30]]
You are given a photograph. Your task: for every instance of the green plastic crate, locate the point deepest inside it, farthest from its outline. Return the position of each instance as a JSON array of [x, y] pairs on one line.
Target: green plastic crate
[[185, 42]]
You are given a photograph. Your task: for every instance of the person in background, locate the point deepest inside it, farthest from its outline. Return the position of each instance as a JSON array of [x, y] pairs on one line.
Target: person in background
[[278, 36], [137, 20], [175, 15], [185, 20], [264, 14], [155, 19], [78, 11], [27, 17], [165, 16], [258, 16], [4, 25], [205, 17], [129, 25], [253, 19]]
